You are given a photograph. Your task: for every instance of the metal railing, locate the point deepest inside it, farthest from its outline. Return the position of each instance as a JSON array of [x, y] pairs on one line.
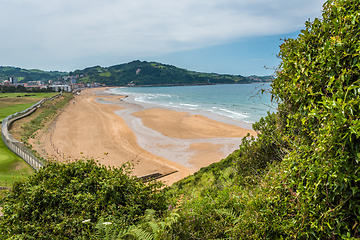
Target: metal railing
[[18, 147], [22, 151]]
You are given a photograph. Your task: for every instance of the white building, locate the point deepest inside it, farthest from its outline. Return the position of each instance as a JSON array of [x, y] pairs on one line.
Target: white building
[[57, 88]]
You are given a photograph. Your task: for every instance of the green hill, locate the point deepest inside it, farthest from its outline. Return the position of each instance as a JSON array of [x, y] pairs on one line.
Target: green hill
[[152, 73], [136, 72], [25, 75]]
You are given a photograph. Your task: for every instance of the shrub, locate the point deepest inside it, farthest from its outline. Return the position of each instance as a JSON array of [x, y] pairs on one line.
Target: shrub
[[314, 191], [200, 218], [255, 155], [54, 202]]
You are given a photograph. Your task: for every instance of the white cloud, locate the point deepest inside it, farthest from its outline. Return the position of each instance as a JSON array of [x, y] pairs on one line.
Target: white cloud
[[66, 29]]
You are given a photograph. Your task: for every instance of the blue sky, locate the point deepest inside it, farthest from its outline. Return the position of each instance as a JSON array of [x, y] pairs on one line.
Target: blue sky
[[223, 36], [251, 56]]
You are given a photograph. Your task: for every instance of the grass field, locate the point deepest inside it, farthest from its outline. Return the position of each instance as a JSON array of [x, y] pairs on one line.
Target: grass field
[[11, 103], [28, 95], [13, 167]]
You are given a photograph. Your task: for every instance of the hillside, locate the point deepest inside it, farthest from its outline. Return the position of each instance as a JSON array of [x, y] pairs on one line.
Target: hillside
[[139, 73], [25, 75], [299, 179], [152, 73]]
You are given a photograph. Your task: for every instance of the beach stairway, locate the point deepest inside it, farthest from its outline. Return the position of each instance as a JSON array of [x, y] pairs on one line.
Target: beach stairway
[[153, 176]]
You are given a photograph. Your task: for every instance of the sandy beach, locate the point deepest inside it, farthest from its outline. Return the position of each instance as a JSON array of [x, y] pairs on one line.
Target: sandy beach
[[100, 125]]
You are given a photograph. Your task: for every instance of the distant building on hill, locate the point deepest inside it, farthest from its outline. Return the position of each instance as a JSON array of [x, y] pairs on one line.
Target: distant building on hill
[[131, 84], [7, 83], [93, 85], [34, 83], [73, 79], [13, 79], [58, 88]]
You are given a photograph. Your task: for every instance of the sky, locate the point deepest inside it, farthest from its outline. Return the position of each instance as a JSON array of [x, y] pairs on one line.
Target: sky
[[222, 36]]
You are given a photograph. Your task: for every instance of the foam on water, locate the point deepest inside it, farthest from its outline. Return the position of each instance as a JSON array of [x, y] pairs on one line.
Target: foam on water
[[238, 102]]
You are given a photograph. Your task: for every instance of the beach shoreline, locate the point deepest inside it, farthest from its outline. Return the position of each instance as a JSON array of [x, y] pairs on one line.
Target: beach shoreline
[[236, 105], [100, 125]]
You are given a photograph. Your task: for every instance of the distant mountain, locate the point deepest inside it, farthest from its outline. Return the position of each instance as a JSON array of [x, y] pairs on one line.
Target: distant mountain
[[142, 73], [138, 73], [25, 75]]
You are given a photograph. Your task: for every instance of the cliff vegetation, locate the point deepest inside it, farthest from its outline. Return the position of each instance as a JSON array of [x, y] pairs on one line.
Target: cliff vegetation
[[298, 180]]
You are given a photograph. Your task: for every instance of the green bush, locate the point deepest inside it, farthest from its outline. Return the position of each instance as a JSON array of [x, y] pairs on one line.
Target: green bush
[[200, 218], [206, 177], [298, 180], [254, 155], [318, 87], [53, 203], [300, 177], [314, 191]]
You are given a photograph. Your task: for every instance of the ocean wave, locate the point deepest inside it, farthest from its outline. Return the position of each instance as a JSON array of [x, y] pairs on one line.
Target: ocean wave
[[235, 113], [189, 105], [242, 115], [227, 103], [164, 95]]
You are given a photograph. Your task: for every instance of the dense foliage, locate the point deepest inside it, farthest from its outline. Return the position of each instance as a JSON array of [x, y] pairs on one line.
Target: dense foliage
[[299, 179], [318, 90], [152, 73], [53, 203], [22, 89]]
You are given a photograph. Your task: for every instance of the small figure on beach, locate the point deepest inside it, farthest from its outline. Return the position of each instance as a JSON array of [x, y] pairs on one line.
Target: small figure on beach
[[73, 102]]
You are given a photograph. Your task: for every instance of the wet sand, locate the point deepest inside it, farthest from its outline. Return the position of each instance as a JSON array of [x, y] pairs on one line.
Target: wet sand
[[101, 125]]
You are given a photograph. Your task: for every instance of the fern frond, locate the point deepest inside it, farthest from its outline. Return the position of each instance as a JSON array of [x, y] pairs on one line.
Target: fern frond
[[149, 214], [125, 232], [173, 218], [100, 224], [162, 225], [141, 234], [114, 235], [228, 212], [154, 226]]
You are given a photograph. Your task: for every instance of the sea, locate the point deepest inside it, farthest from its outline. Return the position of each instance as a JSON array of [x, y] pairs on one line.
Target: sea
[[232, 103]]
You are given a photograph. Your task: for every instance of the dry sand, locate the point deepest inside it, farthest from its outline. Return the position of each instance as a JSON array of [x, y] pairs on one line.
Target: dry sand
[[183, 125], [102, 126]]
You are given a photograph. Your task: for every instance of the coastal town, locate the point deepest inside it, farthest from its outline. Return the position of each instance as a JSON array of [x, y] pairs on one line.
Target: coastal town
[[65, 83]]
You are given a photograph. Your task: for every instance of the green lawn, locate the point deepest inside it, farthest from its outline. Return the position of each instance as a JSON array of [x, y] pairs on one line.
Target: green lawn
[[31, 95], [13, 167], [10, 103], [4, 112]]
